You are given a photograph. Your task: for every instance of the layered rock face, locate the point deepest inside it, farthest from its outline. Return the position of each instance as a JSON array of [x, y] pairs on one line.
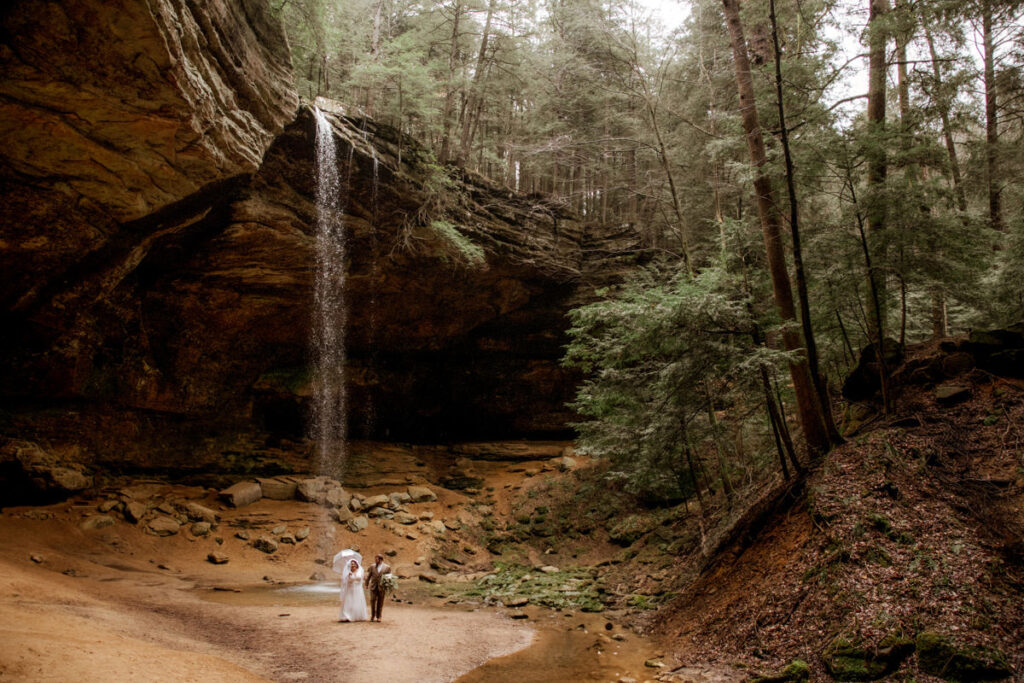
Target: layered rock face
[[157, 245]]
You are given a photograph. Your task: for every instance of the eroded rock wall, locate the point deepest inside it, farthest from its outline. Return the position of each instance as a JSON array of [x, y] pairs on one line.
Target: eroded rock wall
[[157, 213]]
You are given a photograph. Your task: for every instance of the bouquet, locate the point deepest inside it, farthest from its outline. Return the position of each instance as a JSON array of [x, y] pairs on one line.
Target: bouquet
[[389, 583]]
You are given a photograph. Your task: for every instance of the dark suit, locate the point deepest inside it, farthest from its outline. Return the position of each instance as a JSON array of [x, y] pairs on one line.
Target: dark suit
[[373, 576]]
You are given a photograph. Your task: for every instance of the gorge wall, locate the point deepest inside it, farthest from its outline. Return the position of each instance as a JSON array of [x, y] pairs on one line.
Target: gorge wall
[[157, 232]]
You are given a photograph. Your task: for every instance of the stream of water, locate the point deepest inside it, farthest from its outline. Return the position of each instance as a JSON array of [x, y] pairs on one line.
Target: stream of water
[[329, 311]]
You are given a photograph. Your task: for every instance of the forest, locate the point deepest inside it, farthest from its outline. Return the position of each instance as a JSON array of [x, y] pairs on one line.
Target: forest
[[882, 143], [615, 340]]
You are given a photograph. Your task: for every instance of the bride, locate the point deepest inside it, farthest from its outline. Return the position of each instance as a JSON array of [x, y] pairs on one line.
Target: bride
[[353, 600]]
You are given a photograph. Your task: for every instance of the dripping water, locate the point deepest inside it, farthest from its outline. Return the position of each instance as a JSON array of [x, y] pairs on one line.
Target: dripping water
[[329, 312]]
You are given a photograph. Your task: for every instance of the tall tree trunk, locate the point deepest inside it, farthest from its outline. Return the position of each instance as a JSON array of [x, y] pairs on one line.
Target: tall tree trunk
[[371, 93], [794, 226], [475, 97], [877, 163], [947, 130], [995, 211], [449, 97], [808, 407]]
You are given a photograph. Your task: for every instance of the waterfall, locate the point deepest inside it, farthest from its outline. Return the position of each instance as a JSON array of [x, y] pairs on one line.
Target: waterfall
[[329, 313]]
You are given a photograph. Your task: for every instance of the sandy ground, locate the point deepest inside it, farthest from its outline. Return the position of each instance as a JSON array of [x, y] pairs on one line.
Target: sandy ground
[[128, 623], [116, 603]]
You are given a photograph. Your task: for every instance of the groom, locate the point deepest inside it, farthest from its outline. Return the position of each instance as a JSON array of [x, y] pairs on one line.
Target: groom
[[373, 577]]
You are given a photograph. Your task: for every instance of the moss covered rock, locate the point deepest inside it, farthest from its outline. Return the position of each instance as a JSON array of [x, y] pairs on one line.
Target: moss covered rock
[[848, 661], [795, 671], [940, 655]]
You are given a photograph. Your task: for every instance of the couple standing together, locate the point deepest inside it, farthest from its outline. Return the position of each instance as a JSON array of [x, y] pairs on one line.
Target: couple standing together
[[353, 600]]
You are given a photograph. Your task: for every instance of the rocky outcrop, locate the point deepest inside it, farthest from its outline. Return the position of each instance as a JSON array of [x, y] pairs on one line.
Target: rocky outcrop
[[157, 243]]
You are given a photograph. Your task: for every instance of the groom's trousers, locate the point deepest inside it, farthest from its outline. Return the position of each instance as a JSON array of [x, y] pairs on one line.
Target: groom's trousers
[[376, 603]]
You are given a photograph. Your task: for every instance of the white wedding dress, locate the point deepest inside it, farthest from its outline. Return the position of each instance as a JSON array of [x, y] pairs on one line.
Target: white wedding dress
[[353, 600]]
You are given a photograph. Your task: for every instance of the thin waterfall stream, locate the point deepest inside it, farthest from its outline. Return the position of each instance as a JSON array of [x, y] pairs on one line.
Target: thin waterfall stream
[[329, 312]]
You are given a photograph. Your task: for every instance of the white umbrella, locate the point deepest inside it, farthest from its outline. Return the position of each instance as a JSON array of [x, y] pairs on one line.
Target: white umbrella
[[342, 559]]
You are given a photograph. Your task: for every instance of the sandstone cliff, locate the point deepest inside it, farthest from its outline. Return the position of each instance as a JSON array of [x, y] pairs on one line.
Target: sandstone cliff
[[157, 232]]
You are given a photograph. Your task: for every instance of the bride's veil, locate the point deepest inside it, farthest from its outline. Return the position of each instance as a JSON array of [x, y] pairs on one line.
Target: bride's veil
[[348, 570]]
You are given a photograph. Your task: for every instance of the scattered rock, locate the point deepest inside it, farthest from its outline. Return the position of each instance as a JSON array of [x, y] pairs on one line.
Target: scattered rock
[[287, 539], [302, 534], [391, 552], [38, 559], [428, 577], [356, 504], [948, 394], [437, 526], [426, 516], [265, 544], [380, 513], [421, 494], [41, 471], [565, 463], [956, 364], [312, 490], [452, 524], [411, 536], [278, 488], [279, 529], [405, 518], [217, 558], [520, 615], [376, 501], [241, 494], [337, 497], [134, 511], [341, 515], [399, 499], [357, 524], [201, 529], [244, 535], [201, 513], [108, 505], [163, 526], [549, 569], [654, 664], [517, 602]]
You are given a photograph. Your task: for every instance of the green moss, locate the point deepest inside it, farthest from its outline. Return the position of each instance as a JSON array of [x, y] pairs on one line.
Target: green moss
[[939, 655], [795, 671]]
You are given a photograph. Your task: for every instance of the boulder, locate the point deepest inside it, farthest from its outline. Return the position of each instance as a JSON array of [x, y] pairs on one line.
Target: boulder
[[398, 499], [163, 526], [381, 513], [864, 382], [437, 526], [405, 518], [108, 505], [302, 534], [949, 394], [201, 513], [549, 569], [337, 497], [278, 488], [201, 529], [342, 515], [278, 529], [287, 539], [794, 672], [940, 655], [956, 364], [376, 501], [421, 494], [241, 494], [265, 544], [97, 522], [30, 474], [134, 511], [313, 490], [357, 524], [848, 661], [242, 535], [217, 558], [565, 463]]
